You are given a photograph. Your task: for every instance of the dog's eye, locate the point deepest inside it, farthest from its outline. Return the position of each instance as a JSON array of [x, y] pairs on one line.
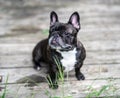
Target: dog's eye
[[67, 34]]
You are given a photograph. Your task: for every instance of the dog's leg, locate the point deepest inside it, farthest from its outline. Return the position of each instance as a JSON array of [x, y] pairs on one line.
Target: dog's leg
[[78, 73], [53, 83], [52, 78], [36, 61]]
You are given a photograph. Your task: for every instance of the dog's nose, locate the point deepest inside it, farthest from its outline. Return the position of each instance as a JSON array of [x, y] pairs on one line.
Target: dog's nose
[[56, 36], [68, 47], [55, 39]]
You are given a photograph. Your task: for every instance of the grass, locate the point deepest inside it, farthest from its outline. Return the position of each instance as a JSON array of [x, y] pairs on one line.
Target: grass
[[60, 78], [105, 90], [5, 90], [96, 93], [45, 31], [108, 89]]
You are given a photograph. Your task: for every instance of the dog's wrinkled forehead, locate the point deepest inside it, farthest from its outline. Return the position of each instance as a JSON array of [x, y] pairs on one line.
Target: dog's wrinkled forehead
[[63, 27]]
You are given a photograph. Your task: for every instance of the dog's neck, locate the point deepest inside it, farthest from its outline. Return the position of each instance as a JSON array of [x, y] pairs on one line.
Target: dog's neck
[[68, 59]]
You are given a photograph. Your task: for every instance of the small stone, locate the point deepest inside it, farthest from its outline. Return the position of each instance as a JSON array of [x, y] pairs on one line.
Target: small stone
[[74, 91], [104, 69]]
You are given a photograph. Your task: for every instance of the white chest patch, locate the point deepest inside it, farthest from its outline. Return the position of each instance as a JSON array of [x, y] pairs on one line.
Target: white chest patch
[[69, 59]]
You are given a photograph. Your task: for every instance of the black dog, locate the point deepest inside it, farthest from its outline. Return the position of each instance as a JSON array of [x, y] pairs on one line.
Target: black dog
[[61, 43]]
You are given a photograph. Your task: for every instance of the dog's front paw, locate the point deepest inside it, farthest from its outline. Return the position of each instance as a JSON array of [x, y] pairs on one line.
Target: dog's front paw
[[53, 86], [80, 76], [36, 67]]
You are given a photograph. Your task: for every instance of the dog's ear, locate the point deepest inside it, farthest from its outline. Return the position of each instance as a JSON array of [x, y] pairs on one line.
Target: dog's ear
[[53, 18], [75, 20]]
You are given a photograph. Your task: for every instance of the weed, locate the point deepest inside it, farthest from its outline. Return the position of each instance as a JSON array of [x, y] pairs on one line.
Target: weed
[[106, 90], [46, 31], [60, 77], [5, 90]]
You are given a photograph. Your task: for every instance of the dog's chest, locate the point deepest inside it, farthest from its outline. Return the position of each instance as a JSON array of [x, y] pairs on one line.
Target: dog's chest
[[69, 60]]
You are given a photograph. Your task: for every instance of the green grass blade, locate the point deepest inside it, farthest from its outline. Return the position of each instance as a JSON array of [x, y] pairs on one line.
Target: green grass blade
[[103, 89], [5, 90]]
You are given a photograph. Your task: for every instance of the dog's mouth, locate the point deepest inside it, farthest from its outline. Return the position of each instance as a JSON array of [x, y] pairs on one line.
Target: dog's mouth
[[58, 43]]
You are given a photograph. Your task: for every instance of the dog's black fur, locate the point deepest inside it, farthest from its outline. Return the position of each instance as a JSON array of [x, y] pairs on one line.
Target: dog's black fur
[[63, 38]]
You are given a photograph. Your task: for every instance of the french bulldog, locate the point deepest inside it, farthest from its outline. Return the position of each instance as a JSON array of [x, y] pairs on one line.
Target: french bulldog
[[62, 43]]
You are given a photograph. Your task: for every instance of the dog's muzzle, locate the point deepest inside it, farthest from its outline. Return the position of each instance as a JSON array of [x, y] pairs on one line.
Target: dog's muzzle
[[56, 42]]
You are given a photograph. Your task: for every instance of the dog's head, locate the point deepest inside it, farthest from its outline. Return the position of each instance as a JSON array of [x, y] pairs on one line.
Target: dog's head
[[63, 36]]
